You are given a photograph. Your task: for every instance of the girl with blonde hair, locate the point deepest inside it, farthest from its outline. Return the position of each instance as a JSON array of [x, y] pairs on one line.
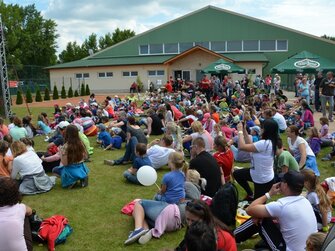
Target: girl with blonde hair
[[198, 131], [318, 198], [172, 190], [175, 131]]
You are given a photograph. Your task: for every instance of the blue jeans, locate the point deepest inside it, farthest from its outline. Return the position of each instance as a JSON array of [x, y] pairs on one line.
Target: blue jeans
[[130, 151], [152, 209], [131, 177], [330, 100]]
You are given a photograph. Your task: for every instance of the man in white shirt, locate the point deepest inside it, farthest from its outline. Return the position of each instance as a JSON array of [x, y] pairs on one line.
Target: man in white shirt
[[159, 151], [293, 214], [279, 119]]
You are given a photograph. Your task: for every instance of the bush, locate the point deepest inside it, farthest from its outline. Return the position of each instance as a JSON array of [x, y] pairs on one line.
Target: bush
[[82, 90], [29, 97], [46, 94], [87, 91], [76, 94], [63, 92], [19, 99], [38, 97], [139, 84], [70, 92], [55, 93]]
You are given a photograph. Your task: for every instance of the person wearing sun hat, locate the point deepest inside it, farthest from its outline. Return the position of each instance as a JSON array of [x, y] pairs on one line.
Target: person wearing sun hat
[[255, 132], [295, 216]]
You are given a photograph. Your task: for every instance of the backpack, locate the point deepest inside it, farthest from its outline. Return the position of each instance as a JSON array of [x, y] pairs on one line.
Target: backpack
[[224, 204]]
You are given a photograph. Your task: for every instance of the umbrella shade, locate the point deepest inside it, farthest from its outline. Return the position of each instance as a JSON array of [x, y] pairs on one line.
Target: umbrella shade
[[223, 66], [304, 62]]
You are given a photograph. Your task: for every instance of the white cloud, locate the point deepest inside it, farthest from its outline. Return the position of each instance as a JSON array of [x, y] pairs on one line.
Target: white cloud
[[77, 19]]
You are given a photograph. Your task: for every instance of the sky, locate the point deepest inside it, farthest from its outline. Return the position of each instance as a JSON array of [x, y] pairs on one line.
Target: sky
[[77, 19]]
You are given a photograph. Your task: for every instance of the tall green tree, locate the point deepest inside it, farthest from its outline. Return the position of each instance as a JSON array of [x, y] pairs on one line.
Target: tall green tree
[[30, 39], [29, 97], [74, 51], [328, 37], [46, 94]]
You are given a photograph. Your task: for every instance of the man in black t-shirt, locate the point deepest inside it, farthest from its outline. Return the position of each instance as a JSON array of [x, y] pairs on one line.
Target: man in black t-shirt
[[206, 165], [327, 87]]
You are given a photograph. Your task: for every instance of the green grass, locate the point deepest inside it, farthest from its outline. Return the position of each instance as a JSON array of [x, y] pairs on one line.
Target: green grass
[[94, 211]]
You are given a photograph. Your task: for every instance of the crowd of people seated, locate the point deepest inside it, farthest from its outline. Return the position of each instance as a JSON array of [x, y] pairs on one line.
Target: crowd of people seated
[[200, 131]]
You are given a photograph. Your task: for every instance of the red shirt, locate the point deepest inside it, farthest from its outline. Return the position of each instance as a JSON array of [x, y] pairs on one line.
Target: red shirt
[[227, 131], [225, 241], [216, 117], [168, 87], [177, 114], [225, 161]]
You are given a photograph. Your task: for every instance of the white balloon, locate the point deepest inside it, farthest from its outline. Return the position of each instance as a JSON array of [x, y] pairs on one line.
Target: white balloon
[[147, 175]]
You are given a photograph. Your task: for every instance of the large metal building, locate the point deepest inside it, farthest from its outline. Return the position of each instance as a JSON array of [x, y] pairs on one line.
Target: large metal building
[[182, 47]]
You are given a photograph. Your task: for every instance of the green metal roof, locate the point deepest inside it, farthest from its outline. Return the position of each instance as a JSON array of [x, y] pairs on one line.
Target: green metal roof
[[246, 57], [113, 61]]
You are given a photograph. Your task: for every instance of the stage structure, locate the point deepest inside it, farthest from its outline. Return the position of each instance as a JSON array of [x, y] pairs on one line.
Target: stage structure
[[5, 100]]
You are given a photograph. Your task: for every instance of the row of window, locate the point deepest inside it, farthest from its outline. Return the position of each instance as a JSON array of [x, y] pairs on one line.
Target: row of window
[[217, 46], [152, 73]]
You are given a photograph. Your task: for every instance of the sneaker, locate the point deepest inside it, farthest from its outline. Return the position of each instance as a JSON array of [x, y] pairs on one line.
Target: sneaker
[[135, 235], [109, 162], [145, 238], [84, 182], [327, 157]]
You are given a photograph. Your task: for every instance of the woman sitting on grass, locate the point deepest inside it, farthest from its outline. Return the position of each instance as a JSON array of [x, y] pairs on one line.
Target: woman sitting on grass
[[14, 223], [6, 162], [28, 166], [198, 210], [73, 154], [172, 190], [42, 127]]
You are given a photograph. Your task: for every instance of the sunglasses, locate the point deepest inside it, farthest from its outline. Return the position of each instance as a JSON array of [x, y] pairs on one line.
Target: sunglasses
[[195, 206]]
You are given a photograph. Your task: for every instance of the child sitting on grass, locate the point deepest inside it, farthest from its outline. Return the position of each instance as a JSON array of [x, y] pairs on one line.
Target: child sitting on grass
[[6, 162], [172, 189], [319, 200], [106, 140], [140, 160]]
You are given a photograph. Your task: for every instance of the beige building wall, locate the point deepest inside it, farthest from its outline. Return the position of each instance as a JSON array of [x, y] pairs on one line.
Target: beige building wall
[[193, 62], [101, 84], [257, 66]]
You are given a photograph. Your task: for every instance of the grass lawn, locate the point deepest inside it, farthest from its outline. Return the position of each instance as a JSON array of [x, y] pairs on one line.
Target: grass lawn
[[94, 211]]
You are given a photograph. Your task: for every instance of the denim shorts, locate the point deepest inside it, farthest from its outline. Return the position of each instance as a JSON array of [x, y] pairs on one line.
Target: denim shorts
[[153, 208]]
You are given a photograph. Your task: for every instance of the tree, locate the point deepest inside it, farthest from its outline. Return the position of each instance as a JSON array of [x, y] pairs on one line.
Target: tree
[[139, 84], [82, 90], [74, 51], [87, 90], [120, 35], [70, 92], [30, 39], [63, 92], [46, 94], [55, 94], [19, 99], [38, 97], [29, 97], [76, 93]]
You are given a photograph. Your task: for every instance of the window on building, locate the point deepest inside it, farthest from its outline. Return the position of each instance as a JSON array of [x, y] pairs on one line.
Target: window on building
[[218, 46], [171, 48], [251, 71], [109, 74], [156, 48], [234, 45], [268, 45], [144, 49], [151, 73], [156, 73], [101, 74], [250, 45], [129, 73], [86, 75], [79, 75], [126, 73], [203, 44], [185, 46], [282, 45], [133, 73]]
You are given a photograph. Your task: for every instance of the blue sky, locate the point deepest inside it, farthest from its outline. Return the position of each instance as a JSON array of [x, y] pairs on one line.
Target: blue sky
[[77, 19]]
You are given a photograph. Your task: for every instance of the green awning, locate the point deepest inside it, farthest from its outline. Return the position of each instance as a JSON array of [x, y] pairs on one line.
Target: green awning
[[223, 66], [304, 62]]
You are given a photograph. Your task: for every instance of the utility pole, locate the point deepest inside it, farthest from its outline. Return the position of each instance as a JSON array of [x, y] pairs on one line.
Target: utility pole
[[5, 99]]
